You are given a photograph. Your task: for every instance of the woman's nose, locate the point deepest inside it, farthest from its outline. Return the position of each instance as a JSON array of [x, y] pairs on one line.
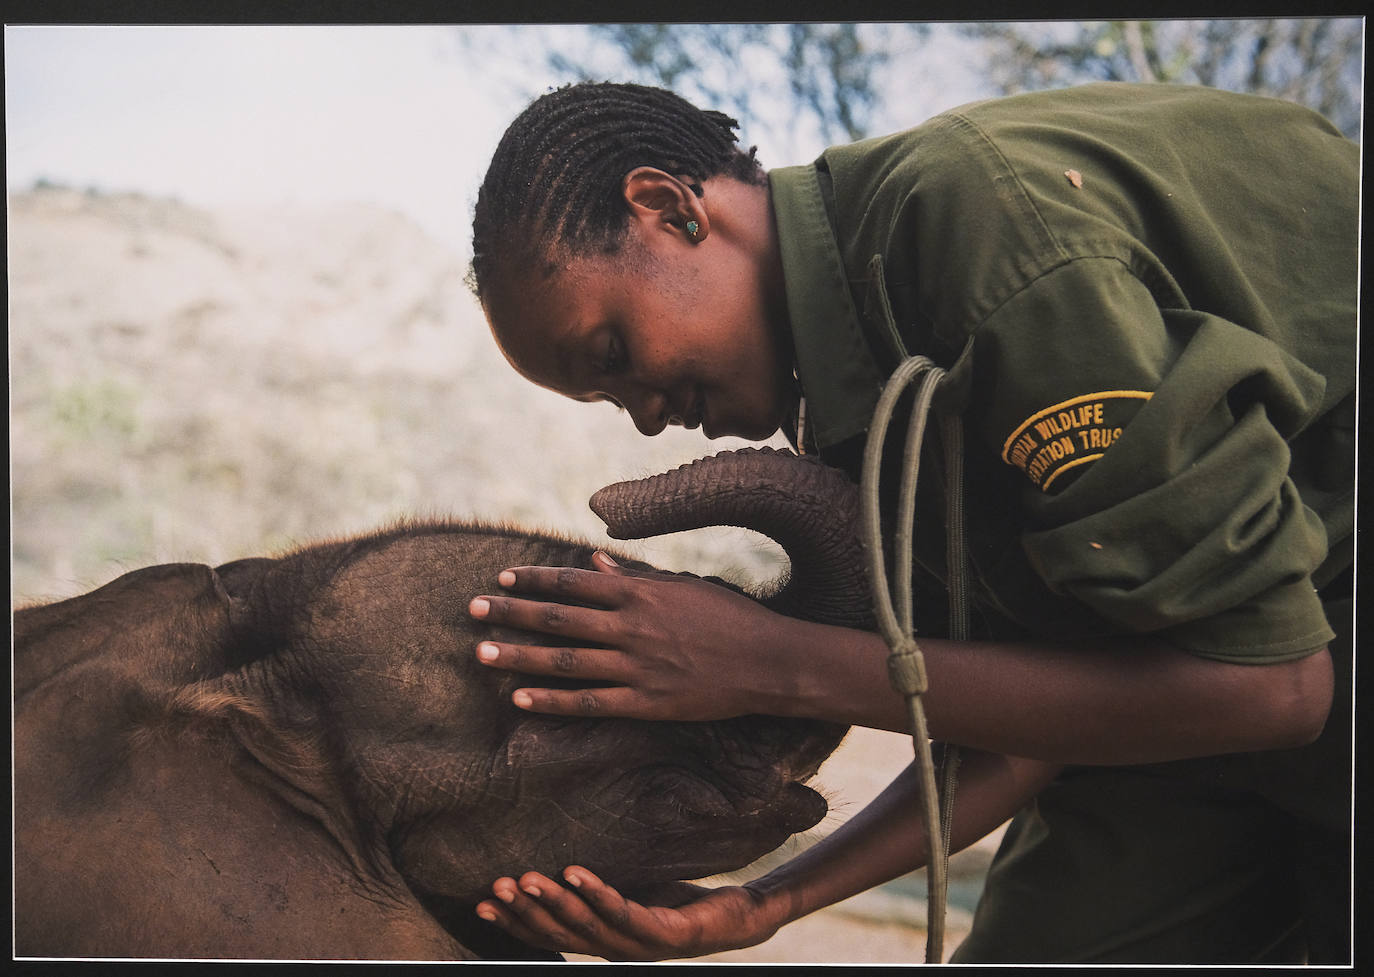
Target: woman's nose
[[650, 413]]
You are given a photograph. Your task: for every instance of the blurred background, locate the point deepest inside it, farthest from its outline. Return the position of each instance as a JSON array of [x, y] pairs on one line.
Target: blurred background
[[237, 315]]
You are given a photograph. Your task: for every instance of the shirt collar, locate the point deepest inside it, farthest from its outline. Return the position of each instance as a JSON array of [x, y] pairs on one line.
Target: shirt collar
[[839, 376]]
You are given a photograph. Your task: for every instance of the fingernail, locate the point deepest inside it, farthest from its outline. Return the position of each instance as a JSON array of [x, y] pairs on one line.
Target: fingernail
[[487, 651], [505, 895], [479, 607], [506, 578], [522, 699], [574, 879], [533, 890], [486, 914], [606, 558]]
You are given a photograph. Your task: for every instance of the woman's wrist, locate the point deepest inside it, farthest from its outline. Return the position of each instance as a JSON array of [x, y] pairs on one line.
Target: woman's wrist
[[833, 673], [776, 899], [778, 687]]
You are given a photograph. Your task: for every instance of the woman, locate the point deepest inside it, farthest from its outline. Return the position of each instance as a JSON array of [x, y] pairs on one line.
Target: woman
[[1144, 299]]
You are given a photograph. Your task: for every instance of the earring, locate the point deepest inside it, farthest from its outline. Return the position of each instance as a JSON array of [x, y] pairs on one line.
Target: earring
[[692, 228]]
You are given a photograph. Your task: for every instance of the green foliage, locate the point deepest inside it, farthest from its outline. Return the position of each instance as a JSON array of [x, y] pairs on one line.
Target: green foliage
[[828, 72], [832, 72], [1316, 62], [839, 77]]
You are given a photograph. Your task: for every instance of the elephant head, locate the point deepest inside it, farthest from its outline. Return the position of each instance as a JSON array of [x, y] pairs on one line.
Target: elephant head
[[335, 691]]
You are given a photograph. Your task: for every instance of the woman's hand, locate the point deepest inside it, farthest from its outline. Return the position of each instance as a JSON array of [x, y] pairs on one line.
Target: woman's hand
[[666, 646], [588, 916], [881, 842]]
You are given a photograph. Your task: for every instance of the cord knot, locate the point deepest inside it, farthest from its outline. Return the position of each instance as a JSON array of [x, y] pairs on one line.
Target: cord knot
[[906, 668]]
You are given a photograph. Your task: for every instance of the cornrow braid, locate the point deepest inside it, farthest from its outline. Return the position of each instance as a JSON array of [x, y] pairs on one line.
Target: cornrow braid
[[554, 183]]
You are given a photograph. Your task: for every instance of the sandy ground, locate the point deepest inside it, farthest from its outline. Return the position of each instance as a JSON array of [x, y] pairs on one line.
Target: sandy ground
[[189, 385]]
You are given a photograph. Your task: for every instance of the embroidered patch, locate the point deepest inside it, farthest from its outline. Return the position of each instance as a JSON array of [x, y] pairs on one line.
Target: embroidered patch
[[1059, 439]]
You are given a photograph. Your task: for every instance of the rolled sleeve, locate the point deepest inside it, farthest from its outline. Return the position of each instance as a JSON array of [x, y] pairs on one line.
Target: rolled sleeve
[[1154, 448]]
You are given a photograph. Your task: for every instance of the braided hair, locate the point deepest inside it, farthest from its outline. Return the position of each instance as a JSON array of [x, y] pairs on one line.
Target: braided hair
[[554, 185]]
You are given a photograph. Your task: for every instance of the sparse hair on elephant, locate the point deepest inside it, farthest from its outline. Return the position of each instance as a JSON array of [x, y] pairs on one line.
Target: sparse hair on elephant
[[299, 758]]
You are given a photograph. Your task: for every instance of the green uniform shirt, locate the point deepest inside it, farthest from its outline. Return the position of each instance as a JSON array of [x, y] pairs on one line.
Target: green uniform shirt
[[1145, 296]]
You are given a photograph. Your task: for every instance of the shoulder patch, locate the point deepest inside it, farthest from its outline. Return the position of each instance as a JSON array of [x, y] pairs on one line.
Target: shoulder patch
[[1069, 434]]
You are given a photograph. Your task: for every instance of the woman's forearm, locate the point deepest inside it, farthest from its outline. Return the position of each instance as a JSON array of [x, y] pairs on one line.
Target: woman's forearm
[[659, 647], [887, 838], [1120, 700]]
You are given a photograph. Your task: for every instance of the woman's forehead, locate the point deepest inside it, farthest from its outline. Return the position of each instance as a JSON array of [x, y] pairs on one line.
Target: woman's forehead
[[547, 318], [541, 335]]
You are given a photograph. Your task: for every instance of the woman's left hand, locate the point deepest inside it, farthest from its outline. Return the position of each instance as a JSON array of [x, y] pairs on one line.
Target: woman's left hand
[[666, 646], [590, 917]]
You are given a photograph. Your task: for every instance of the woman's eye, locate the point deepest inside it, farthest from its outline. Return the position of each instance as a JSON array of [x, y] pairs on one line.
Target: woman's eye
[[615, 356]]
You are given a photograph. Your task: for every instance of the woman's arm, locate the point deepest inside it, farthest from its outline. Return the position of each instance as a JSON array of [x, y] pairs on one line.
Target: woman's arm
[[884, 840], [1114, 701], [670, 647], [887, 838]]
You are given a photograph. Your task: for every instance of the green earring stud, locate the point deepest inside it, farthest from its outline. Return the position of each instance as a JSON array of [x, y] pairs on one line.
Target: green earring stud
[[692, 228]]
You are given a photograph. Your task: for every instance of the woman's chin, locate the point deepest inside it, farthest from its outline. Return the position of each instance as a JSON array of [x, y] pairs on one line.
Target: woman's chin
[[756, 433]]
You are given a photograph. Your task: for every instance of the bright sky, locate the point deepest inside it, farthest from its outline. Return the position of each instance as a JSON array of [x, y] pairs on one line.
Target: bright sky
[[403, 116], [390, 115]]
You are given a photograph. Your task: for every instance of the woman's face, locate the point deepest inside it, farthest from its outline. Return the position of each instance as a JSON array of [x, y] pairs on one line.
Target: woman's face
[[672, 331]]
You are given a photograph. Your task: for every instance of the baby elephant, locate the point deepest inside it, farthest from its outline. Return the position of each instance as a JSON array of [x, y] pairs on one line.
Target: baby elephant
[[300, 758]]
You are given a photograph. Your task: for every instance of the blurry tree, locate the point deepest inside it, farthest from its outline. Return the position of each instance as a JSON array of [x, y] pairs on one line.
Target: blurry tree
[[836, 77], [1316, 62], [823, 79], [829, 68]]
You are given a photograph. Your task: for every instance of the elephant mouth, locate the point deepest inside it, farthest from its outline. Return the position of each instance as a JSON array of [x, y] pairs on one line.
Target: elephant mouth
[[696, 830], [678, 800], [805, 808]]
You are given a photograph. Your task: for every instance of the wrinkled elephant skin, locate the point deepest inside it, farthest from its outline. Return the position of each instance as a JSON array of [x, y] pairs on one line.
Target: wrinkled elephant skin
[[300, 758]]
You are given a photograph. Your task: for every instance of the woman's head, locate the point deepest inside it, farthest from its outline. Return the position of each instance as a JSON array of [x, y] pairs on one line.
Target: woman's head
[[553, 189], [624, 250]]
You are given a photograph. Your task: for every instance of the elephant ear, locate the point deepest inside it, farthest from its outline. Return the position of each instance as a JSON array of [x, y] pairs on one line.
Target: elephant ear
[[161, 625], [808, 508], [240, 576]]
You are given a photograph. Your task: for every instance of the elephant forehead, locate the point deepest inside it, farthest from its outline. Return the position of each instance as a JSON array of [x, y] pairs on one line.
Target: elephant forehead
[[445, 566], [407, 597]]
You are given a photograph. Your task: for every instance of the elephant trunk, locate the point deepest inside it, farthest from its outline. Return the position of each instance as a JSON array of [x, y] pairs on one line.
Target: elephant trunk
[[809, 509]]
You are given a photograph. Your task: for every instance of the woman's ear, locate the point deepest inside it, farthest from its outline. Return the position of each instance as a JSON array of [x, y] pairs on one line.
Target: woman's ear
[[666, 203]]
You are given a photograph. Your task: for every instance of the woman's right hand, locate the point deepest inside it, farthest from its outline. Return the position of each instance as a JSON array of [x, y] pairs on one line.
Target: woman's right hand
[[590, 917]]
